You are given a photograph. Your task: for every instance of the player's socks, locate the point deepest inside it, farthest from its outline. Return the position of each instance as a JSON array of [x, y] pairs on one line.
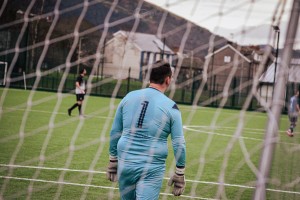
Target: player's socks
[[79, 109], [70, 109]]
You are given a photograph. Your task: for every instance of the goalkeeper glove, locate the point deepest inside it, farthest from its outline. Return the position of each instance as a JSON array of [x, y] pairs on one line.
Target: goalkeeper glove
[[178, 180], [112, 168]]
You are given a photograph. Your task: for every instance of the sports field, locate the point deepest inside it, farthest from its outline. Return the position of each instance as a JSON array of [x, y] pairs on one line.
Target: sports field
[[46, 154]]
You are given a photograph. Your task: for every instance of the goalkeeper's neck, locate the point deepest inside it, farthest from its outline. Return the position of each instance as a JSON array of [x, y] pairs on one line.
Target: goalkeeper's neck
[[157, 87], [161, 87]]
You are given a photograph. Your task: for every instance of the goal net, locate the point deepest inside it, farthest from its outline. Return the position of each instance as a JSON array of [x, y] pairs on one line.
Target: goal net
[[235, 68]]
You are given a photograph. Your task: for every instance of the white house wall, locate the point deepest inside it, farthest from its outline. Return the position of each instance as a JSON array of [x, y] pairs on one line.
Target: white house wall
[[266, 92], [121, 60], [122, 54]]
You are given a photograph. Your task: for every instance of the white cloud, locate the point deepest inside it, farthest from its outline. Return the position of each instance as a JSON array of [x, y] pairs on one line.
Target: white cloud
[[233, 15], [227, 14]]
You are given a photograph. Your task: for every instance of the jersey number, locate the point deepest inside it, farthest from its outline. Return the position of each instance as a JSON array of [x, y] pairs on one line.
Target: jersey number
[[142, 114]]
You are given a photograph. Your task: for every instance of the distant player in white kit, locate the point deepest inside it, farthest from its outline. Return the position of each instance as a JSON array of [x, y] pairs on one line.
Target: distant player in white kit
[[80, 87], [138, 139], [293, 113]]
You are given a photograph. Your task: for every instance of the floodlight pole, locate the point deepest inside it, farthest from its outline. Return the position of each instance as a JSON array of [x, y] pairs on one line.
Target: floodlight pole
[[274, 116], [277, 31]]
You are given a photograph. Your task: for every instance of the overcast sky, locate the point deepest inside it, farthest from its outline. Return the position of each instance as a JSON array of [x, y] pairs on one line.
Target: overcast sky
[[215, 15]]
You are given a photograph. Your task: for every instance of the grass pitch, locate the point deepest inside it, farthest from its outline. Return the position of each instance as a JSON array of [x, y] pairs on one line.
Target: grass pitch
[[45, 154]]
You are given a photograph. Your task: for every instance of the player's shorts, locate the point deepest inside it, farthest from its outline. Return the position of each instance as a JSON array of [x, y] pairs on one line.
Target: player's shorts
[[140, 182], [79, 97]]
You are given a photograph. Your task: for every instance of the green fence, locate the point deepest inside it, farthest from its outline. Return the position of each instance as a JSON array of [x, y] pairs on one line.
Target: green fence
[[183, 94]]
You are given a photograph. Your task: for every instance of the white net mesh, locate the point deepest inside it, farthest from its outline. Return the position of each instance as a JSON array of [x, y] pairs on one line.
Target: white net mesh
[[233, 117]]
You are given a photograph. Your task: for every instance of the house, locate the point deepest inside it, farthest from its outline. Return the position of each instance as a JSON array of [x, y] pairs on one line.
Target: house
[[227, 61], [267, 79], [229, 73], [190, 68], [128, 54]]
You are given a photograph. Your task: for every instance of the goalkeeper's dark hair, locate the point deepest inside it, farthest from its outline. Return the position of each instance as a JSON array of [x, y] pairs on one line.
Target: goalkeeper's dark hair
[[159, 71]]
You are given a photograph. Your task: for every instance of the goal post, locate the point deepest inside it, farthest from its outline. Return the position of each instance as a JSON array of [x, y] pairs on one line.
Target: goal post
[[273, 123], [3, 72]]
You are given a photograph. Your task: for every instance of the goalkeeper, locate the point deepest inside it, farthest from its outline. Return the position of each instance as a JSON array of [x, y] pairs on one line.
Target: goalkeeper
[[138, 139]]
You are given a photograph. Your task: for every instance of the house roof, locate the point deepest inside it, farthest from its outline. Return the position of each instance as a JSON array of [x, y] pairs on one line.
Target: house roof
[[231, 47], [146, 42], [294, 72]]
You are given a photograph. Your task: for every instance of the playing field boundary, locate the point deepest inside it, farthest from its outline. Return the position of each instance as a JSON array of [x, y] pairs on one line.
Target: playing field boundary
[[105, 187]]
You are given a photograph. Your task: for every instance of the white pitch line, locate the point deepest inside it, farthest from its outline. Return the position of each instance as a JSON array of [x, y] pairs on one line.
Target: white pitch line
[[210, 110], [86, 185], [57, 182], [253, 130], [244, 186], [226, 127], [58, 113], [185, 196], [101, 172], [52, 168], [220, 134], [192, 128], [261, 131]]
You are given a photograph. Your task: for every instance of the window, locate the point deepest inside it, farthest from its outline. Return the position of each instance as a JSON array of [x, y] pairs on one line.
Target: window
[[257, 57], [227, 59]]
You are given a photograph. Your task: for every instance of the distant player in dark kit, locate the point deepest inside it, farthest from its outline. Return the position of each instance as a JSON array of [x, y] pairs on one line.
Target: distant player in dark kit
[[293, 113], [79, 91]]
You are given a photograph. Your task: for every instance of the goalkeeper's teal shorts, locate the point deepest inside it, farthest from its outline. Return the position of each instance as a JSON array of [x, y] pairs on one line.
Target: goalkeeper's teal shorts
[[140, 182]]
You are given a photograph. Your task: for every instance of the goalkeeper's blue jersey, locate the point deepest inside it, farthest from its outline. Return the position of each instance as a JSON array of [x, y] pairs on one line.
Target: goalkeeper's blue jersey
[[144, 119]]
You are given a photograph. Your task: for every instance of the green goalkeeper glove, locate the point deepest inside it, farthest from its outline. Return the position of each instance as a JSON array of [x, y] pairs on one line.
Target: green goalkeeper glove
[[178, 180], [112, 168]]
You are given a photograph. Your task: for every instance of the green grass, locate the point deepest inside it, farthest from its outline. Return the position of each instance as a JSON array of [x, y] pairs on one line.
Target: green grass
[[44, 151]]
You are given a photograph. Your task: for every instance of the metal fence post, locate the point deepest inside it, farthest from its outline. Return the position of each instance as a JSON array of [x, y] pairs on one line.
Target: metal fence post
[[128, 80]]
